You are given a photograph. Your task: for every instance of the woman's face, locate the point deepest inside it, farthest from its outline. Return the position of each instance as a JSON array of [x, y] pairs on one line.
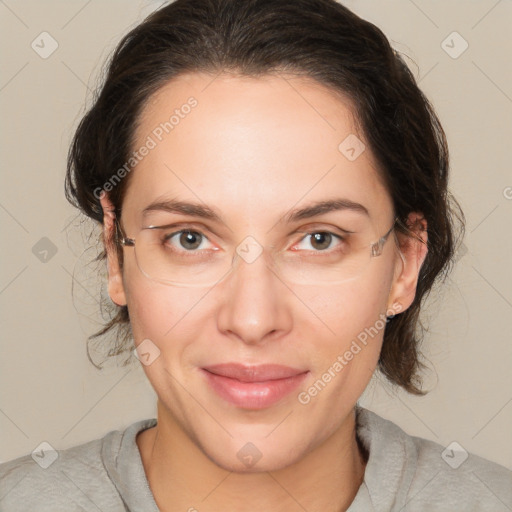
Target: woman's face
[[252, 150]]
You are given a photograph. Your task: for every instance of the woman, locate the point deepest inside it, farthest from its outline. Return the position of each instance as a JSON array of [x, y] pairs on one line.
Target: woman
[[272, 186]]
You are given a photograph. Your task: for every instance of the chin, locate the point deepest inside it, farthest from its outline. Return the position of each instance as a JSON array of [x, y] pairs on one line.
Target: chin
[[239, 455], [273, 462]]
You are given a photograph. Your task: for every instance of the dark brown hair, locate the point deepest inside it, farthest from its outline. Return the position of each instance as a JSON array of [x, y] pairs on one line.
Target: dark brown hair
[[320, 39]]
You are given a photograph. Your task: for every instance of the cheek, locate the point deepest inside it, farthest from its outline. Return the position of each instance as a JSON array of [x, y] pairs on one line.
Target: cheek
[[344, 310], [160, 312], [345, 327], [345, 355]]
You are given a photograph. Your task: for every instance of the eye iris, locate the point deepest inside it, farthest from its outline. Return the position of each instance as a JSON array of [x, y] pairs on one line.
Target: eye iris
[[191, 238], [323, 239]]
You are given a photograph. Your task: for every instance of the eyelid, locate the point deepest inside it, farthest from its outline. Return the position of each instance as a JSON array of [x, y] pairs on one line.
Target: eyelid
[[322, 227], [199, 226]]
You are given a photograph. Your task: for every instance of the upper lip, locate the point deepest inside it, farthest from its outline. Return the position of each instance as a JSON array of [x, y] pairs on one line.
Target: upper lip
[[253, 373]]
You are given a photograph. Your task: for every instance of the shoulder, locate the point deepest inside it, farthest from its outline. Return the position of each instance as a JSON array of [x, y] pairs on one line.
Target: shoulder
[[71, 479], [450, 474], [426, 475]]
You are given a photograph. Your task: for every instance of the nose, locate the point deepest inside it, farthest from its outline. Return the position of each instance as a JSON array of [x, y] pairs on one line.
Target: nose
[[255, 305]]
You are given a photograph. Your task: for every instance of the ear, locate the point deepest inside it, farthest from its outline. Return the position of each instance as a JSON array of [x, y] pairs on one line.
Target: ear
[[115, 276], [412, 252]]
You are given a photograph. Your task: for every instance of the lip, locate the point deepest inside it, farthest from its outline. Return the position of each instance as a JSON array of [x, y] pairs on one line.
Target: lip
[[253, 387]]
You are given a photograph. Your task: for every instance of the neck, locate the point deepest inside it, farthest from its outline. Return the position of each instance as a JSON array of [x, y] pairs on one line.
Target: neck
[[182, 477]]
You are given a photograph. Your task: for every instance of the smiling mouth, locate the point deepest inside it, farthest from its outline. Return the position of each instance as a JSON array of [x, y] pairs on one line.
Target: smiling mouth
[[253, 387]]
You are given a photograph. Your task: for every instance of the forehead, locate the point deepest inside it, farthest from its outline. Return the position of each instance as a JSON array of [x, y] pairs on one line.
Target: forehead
[[250, 147]]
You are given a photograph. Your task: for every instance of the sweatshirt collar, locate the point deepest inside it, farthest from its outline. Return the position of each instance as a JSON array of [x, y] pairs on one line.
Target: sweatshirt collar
[[388, 474]]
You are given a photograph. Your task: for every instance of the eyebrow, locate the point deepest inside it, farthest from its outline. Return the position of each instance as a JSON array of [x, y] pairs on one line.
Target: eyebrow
[[206, 212]]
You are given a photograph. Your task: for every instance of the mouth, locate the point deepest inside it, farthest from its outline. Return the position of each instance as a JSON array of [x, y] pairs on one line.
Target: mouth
[[253, 387]]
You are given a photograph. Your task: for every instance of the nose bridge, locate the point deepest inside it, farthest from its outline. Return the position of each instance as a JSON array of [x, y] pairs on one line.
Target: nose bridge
[[253, 271], [253, 300], [249, 250], [254, 263]]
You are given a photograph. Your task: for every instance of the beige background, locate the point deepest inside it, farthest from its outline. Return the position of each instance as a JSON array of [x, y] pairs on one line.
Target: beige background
[[48, 389]]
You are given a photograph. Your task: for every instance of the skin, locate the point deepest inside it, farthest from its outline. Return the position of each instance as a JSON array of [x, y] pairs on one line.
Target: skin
[[254, 148]]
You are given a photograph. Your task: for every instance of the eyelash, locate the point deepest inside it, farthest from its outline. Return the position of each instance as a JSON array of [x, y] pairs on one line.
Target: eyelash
[[193, 230]]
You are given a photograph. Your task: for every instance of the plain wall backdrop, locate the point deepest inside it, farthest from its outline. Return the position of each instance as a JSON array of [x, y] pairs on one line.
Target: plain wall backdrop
[[50, 392]]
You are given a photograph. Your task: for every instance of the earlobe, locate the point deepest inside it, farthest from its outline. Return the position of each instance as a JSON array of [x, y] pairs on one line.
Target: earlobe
[[412, 252], [115, 276]]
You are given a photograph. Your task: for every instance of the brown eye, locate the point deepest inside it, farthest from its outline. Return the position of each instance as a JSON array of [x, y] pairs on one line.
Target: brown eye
[[190, 239], [321, 240], [184, 239]]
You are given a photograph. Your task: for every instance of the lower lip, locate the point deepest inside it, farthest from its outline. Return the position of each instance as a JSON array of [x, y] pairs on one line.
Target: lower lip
[[253, 395]]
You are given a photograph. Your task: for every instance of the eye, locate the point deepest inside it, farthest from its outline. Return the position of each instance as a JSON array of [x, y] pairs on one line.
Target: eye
[[319, 240], [186, 239]]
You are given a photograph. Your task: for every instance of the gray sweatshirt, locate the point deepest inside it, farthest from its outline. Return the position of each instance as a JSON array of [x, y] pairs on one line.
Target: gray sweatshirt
[[403, 473]]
